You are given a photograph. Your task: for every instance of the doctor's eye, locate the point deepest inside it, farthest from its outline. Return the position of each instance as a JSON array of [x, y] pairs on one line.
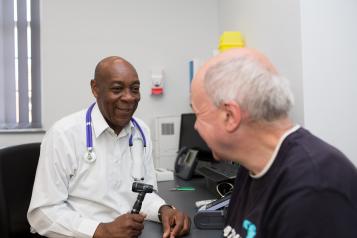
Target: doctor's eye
[[135, 89], [116, 89]]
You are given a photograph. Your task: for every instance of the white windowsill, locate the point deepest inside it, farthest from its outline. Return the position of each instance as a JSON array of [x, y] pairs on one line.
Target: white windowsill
[[22, 131]]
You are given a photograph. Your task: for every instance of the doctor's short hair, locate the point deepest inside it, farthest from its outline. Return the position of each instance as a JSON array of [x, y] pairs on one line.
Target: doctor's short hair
[[264, 95]]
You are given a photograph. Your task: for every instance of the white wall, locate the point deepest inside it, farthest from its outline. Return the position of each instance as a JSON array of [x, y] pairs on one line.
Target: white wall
[[312, 43], [150, 34], [329, 46], [273, 27]]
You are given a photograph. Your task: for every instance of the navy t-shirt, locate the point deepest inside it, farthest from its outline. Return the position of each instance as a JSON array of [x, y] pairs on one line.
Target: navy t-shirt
[[309, 191]]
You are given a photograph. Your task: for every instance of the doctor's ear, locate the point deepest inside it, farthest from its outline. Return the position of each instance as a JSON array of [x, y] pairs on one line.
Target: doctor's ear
[[94, 87], [232, 115]]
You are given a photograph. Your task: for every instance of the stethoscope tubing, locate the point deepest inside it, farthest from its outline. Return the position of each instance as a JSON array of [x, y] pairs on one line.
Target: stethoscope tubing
[[136, 124], [89, 136]]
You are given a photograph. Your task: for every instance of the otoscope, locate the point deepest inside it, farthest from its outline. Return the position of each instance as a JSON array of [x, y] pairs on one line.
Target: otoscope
[[142, 189]]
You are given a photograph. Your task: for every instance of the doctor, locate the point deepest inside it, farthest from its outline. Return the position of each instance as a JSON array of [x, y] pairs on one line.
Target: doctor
[[89, 161]]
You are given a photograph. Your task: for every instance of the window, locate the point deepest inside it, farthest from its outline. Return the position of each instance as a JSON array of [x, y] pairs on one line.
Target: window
[[20, 98]]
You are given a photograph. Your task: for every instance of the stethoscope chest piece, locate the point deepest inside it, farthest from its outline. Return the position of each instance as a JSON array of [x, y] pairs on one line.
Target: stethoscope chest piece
[[89, 156]]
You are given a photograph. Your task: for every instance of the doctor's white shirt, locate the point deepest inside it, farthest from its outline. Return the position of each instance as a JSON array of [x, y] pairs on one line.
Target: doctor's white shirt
[[72, 196]]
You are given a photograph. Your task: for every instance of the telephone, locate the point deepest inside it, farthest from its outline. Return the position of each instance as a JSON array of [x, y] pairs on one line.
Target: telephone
[[212, 215], [186, 162]]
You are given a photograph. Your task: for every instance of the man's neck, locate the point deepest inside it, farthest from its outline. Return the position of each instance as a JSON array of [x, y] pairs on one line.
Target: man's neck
[[258, 141], [116, 129]]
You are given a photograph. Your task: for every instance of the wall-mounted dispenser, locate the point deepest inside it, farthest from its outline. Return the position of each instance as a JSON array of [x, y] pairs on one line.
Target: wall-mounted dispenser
[[157, 77]]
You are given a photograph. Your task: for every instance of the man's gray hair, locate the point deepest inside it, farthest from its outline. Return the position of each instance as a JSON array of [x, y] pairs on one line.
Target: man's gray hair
[[265, 96]]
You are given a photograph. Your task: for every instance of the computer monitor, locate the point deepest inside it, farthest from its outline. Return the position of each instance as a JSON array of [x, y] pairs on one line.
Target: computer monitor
[[190, 138], [214, 171]]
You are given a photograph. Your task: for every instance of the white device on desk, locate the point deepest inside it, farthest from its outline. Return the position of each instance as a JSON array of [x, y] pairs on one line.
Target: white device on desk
[[201, 203], [163, 174], [212, 215]]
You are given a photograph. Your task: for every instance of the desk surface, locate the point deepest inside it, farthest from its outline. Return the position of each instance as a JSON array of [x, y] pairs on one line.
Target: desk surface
[[185, 201]]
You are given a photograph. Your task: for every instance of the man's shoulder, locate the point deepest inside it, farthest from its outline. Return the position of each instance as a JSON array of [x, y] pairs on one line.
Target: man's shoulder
[[70, 121], [311, 143], [315, 150], [307, 161]]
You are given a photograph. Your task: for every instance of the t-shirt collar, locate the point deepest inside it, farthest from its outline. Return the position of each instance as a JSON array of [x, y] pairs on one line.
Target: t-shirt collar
[[277, 148]]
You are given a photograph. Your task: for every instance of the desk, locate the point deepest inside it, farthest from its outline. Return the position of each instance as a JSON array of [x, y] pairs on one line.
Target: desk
[[185, 201]]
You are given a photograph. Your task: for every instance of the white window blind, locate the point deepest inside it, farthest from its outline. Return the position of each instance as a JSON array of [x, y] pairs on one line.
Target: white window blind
[[20, 88]]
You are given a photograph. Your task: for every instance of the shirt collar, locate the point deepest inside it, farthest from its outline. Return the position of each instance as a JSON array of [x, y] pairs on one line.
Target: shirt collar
[[100, 125]]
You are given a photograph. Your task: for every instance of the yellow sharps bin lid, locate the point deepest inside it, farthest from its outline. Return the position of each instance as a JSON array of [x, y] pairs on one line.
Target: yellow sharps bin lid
[[231, 39]]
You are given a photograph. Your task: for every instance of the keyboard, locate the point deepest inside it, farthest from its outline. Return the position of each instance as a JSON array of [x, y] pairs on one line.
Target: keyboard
[[210, 174], [218, 172], [226, 169]]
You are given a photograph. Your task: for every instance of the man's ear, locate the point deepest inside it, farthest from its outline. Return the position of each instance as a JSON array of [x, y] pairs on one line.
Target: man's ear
[[93, 85], [233, 115]]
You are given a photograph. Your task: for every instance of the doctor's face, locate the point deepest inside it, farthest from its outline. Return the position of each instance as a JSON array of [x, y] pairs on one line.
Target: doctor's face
[[117, 89]]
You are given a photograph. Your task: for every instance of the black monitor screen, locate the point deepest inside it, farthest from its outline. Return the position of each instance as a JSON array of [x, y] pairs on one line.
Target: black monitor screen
[[190, 138]]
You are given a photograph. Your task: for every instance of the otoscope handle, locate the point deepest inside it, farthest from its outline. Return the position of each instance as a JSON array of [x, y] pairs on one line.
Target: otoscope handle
[[138, 203]]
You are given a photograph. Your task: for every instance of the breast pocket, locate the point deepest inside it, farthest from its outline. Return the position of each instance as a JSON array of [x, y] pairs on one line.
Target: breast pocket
[[88, 178]]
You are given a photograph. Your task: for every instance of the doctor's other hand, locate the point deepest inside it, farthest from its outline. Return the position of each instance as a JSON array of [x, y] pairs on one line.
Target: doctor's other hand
[[127, 225], [174, 222]]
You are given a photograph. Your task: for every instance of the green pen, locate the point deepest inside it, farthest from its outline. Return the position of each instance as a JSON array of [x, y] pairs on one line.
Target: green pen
[[182, 189]]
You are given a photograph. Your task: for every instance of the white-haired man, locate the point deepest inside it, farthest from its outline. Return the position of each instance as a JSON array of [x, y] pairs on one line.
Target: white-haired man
[[290, 183]]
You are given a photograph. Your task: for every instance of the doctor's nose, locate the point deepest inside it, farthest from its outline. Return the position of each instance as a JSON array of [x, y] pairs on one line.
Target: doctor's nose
[[129, 96]]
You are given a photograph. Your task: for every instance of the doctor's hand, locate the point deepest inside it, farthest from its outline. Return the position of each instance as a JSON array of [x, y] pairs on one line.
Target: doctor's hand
[[126, 225], [174, 222]]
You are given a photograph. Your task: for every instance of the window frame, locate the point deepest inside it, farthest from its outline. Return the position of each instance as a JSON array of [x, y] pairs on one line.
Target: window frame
[[20, 67]]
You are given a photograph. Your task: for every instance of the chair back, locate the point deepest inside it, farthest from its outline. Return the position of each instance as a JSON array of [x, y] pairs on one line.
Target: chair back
[[17, 173]]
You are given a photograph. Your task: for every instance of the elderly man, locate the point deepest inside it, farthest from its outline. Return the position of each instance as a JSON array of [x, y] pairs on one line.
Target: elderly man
[[89, 161], [290, 183]]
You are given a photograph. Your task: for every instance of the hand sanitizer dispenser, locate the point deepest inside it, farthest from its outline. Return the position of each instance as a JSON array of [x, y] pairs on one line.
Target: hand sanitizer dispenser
[[157, 77]]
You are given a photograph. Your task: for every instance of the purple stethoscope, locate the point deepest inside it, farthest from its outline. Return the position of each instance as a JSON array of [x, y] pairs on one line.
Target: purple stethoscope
[[137, 155]]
